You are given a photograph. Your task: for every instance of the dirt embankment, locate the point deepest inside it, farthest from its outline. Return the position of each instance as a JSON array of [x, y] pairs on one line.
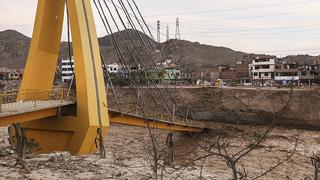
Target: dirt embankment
[[127, 157], [297, 108]]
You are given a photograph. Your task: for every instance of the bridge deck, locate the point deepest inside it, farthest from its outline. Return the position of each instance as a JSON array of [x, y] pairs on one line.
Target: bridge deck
[[24, 111], [15, 108], [152, 122]]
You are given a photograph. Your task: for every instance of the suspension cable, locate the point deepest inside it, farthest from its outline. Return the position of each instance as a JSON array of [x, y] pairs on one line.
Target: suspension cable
[[147, 27], [142, 62], [69, 49], [126, 47], [144, 45], [109, 81], [131, 23], [121, 58]]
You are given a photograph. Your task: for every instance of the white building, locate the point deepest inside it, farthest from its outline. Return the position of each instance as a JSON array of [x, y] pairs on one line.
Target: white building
[[113, 68], [286, 76], [67, 67], [286, 72], [263, 69], [166, 63]]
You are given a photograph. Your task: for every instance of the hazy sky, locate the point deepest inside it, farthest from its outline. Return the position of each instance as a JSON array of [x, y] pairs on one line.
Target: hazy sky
[[257, 26]]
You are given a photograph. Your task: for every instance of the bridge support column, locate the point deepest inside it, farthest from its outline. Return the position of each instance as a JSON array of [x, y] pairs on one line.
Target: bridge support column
[[74, 134]]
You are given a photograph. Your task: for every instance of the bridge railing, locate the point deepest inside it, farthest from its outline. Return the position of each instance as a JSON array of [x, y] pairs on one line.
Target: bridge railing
[[178, 120], [29, 98]]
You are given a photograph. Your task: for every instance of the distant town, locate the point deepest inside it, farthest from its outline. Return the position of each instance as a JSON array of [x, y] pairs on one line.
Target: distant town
[[261, 72]]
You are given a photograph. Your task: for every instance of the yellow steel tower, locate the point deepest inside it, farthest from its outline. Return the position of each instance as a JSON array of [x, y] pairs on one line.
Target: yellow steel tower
[[77, 134]]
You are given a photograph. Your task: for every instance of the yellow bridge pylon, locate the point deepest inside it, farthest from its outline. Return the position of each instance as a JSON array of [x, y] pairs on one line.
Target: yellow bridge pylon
[[74, 134], [37, 105]]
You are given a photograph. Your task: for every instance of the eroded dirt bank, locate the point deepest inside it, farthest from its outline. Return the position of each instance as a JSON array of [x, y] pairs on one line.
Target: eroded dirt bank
[[128, 157], [233, 105]]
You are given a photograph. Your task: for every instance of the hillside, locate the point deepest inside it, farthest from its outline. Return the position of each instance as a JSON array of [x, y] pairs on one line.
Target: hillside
[[14, 49], [188, 53], [304, 59]]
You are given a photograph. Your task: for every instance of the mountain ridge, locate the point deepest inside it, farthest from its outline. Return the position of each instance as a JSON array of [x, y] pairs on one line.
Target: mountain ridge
[[14, 48]]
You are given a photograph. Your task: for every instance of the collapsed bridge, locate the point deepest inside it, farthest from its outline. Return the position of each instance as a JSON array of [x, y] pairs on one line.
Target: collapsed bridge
[[57, 121]]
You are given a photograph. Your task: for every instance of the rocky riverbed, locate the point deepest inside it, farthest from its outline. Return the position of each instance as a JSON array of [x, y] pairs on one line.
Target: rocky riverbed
[[127, 157]]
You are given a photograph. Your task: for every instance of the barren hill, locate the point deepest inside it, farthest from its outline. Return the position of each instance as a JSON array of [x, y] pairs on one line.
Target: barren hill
[[14, 49], [188, 53]]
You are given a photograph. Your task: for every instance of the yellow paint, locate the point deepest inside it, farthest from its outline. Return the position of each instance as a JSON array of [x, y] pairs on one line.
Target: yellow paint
[[1, 102], [40, 71], [141, 122], [47, 139], [29, 116], [74, 134]]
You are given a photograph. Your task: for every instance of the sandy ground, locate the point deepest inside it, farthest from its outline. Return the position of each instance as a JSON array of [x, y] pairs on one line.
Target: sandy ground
[[127, 157]]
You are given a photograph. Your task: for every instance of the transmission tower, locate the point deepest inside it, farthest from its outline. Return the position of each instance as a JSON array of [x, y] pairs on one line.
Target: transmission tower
[[177, 29], [168, 33], [158, 32]]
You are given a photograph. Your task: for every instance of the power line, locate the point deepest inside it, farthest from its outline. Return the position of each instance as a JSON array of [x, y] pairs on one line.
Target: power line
[[272, 34], [253, 29], [120, 8], [237, 18], [234, 9], [260, 31], [194, 22], [250, 17], [173, 4]]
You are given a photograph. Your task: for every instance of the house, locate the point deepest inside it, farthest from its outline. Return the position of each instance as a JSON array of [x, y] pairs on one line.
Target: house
[[210, 73], [307, 74], [228, 74], [285, 73], [262, 68], [67, 69], [172, 74], [186, 74], [243, 71], [113, 68], [316, 62], [14, 75], [4, 73], [10, 74], [196, 73], [206, 73], [168, 74]]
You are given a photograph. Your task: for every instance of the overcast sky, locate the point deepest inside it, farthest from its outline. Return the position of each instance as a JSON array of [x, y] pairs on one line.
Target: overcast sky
[[254, 26]]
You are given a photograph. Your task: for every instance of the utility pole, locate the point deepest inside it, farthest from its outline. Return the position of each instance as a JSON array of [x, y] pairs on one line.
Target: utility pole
[[158, 32], [168, 33], [177, 36]]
